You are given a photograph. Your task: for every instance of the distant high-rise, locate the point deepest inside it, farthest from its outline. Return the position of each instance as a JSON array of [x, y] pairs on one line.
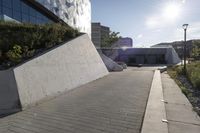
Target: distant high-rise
[[124, 42], [99, 32]]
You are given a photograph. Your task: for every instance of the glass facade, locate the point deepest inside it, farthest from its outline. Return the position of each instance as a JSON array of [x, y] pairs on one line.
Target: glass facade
[[21, 12]]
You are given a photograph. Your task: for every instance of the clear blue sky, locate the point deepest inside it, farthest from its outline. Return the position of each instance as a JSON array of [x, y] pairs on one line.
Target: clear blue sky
[[149, 21]]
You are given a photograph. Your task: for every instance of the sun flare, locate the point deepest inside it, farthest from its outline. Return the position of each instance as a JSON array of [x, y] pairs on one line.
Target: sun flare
[[171, 11]]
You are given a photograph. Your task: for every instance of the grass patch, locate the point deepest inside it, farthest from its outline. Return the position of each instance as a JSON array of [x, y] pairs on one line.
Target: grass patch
[[193, 74]]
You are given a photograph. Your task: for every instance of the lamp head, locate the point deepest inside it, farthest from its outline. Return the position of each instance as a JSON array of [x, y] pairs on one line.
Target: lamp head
[[185, 26]]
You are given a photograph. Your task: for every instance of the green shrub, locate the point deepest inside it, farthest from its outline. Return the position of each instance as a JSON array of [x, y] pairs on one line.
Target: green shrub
[[174, 71], [185, 90], [180, 70], [15, 54], [30, 38], [34, 36], [193, 74], [27, 53]]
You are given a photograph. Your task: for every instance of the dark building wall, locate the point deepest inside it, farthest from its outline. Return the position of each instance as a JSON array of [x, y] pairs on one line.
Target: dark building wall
[[132, 56], [143, 56], [104, 33], [20, 11], [124, 42], [96, 34], [99, 33]]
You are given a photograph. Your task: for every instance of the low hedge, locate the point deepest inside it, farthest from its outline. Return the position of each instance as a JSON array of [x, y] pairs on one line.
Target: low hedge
[[20, 41]]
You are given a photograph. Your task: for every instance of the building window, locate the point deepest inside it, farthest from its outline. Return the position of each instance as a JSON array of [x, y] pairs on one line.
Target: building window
[[25, 18], [0, 8], [7, 11], [25, 8], [7, 3], [16, 5], [33, 19], [32, 12], [17, 16], [20, 11]]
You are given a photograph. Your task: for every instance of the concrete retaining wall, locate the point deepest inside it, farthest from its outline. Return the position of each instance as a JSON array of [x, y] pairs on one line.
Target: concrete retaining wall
[[68, 66], [110, 64]]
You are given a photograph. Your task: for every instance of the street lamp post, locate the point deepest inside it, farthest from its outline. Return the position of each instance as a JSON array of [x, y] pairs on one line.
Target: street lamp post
[[185, 30]]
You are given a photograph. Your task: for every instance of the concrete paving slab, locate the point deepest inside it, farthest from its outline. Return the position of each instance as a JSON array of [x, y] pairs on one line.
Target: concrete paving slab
[[113, 104], [177, 127], [176, 98], [172, 92], [180, 114]]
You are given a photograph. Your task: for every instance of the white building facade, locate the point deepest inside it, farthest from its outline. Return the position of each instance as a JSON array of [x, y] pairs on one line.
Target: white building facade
[[76, 13]]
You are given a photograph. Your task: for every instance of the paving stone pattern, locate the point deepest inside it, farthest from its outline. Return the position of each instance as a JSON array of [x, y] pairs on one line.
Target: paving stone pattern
[[113, 104], [179, 111]]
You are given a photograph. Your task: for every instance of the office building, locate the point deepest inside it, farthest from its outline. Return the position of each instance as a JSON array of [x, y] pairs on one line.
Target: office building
[[124, 42], [99, 33]]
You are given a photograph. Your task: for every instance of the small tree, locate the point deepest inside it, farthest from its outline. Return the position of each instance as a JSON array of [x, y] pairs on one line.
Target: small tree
[[109, 40]]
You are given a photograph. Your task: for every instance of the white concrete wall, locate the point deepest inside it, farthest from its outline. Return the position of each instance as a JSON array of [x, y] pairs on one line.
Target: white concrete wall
[[76, 13], [175, 57], [171, 56], [110, 64], [66, 67]]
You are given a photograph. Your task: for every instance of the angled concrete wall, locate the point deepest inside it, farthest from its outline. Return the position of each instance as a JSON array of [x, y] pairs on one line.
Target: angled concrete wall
[[110, 64], [68, 66]]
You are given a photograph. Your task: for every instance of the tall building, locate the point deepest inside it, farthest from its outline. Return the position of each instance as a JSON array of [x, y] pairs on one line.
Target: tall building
[[124, 42], [99, 32], [76, 13]]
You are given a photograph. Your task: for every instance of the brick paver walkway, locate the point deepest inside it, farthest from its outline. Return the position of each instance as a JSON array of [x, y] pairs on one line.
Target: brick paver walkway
[[113, 104]]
